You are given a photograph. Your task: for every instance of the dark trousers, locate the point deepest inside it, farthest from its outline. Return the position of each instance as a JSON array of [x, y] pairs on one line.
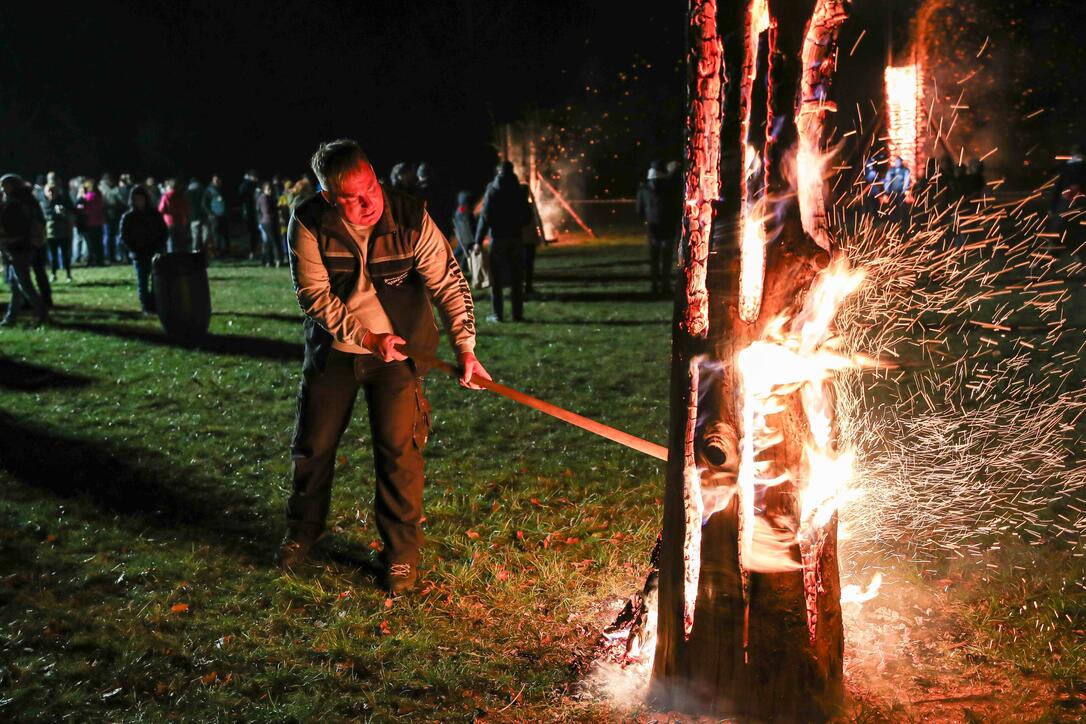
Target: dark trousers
[[39, 263], [144, 289], [255, 238], [507, 270], [399, 425], [60, 255], [272, 252], [92, 235], [222, 233], [660, 260]]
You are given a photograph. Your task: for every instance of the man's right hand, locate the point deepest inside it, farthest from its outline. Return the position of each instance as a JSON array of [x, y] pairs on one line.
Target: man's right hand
[[385, 346]]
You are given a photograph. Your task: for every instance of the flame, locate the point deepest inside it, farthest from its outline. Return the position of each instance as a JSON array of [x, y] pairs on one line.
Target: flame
[[796, 354], [903, 92], [856, 594]]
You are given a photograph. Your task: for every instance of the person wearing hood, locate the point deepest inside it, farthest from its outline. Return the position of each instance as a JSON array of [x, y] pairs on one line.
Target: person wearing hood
[[22, 236], [504, 215], [659, 211], [144, 234]]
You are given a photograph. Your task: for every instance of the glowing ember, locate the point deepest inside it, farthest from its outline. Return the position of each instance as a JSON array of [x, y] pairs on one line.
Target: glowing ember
[[903, 93], [752, 246]]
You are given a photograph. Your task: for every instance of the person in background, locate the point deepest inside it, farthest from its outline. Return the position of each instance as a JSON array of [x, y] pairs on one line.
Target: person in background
[[214, 208], [463, 225], [268, 220], [194, 197], [654, 208], [21, 223], [247, 196], [301, 191], [113, 214], [91, 219], [121, 192], [154, 193], [58, 230], [402, 177], [144, 233], [284, 202], [504, 215], [174, 207], [896, 185]]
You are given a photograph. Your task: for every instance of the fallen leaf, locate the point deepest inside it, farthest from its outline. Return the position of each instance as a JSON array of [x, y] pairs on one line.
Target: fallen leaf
[[179, 607], [209, 678], [384, 629], [342, 460], [388, 603], [572, 541], [472, 534], [503, 575], [520, 535], [535, 501], [53, 539], [375, 545]]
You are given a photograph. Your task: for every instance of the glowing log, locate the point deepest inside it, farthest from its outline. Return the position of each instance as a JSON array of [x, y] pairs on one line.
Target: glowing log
[[903, 123], [749, 618]]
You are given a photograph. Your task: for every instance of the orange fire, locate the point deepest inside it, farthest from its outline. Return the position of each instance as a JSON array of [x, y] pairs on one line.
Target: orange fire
[[903, 93], [796, 354]]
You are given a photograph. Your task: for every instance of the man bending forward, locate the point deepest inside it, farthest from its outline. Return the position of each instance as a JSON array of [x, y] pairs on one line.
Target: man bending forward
[[367, 263]]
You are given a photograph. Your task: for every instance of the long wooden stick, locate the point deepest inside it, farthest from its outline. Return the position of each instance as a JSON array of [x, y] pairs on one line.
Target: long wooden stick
[[622, 438]]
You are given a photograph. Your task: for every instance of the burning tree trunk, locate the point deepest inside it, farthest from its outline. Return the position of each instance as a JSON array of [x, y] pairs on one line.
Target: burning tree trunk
[[749, 619]]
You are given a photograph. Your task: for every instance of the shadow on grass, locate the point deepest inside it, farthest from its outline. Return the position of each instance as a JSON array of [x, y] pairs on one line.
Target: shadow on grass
[[605, 297], [27, 377], [137, 488], [271, 316], [601, 322], [240, 346]]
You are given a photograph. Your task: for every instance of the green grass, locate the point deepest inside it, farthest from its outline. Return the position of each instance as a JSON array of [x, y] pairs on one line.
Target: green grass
[[141, 499], [142, 488]]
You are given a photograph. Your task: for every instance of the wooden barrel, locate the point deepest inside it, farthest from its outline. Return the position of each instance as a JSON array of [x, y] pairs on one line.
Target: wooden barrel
[[182, 294]]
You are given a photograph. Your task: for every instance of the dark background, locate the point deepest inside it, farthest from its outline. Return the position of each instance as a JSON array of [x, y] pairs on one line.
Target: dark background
[[194, 88]]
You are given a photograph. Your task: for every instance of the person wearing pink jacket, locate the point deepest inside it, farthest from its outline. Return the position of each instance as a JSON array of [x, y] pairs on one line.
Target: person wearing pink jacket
[[90, 219], [174, 207]]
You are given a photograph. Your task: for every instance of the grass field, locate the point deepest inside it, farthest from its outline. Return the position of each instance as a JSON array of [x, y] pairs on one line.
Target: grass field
[[141, 495], [143, 486]]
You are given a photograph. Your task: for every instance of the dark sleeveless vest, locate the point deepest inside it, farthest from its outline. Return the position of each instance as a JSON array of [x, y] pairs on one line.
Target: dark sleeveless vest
[[390, 264]]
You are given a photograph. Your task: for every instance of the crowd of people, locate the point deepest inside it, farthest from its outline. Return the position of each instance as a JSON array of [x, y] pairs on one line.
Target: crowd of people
[[49, 228]]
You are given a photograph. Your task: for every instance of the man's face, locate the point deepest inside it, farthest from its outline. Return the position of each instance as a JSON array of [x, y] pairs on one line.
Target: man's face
[[357, 195]]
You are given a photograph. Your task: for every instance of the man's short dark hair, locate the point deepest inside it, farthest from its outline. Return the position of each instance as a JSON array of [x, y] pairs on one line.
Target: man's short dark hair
[[335, 158]]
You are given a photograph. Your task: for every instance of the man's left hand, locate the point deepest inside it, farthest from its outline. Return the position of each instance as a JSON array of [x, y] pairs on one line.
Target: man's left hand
[[470, 366]]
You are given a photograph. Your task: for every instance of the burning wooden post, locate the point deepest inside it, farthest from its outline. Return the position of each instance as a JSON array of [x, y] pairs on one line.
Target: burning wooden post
[[749, 619]]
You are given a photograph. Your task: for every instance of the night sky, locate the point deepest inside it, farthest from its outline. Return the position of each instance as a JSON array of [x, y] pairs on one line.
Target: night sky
[[194, 88]]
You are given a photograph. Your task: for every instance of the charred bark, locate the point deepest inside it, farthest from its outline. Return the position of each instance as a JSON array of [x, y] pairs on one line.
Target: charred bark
[[761, 646]]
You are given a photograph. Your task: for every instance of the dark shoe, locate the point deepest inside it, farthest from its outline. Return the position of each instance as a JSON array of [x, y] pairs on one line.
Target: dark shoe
[[401, 578], [293, 551]]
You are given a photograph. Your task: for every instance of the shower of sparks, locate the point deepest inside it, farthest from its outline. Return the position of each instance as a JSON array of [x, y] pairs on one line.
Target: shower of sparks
[[977, 436]]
